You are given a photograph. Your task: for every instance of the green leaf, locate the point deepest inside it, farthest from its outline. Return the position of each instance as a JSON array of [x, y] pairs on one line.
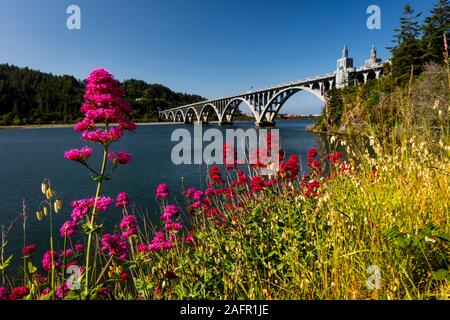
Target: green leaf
[[441, 275], [6, 263], [31, 268]]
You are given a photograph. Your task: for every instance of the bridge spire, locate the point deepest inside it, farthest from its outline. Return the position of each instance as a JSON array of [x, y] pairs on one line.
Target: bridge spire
[[345, 52], [373, 52]]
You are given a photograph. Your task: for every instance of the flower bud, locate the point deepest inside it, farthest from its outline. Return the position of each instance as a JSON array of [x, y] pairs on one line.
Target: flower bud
[[45, 211], [57, 205], [43, 188], [39, 215], [50, 193]]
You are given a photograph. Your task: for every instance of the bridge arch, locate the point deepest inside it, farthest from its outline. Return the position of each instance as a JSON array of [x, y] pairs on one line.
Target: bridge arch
[[179, 116], [278, 105], [170, 116], [190, 113], [233, 105], [206, 112]]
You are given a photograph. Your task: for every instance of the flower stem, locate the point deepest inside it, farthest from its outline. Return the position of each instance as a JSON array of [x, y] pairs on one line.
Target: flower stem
[[94, 212]]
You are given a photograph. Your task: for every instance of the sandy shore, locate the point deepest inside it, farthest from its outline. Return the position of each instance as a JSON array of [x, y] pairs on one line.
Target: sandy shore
[[52, 126]]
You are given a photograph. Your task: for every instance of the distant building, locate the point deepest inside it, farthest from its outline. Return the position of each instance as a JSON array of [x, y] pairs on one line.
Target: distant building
[[370, 63]]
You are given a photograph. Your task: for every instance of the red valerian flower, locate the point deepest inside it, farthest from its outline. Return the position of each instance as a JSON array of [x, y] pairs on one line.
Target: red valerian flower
[[128, 226], [120, 157], [216, 175], [143, 248], [162, 191], [257, 184], [122, 200], [62, 291], [123, 276], [4, 292], [79, 155], [115, 245], [169, 212], [47, 260], [312, 152], [28, 250], [172, 226], [68, 229], [19, 293]]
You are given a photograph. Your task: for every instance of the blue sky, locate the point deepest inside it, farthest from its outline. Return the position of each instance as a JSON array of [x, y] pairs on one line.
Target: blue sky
[[209, 47]]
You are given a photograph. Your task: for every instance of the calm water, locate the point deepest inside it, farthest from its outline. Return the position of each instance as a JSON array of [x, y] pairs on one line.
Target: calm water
[[28, 156]]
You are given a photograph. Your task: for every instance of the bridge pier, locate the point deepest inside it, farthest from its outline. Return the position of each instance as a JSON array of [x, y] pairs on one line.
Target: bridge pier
[[265, 124]]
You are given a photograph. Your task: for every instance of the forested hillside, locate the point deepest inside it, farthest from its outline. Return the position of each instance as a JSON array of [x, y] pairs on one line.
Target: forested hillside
[[32, 97]]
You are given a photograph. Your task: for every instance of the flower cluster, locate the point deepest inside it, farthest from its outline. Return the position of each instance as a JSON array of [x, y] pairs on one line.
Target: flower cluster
[[47, 260], [79, 155], [68, 229], [104, 103], [82, 207], [28, 250], [122, 200], [116, 245], [120, 157], [162, 191], [19, 293], [128, 226]]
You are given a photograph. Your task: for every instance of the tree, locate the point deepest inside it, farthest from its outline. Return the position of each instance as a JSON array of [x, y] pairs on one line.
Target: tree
[[407, 55], [435, 26]]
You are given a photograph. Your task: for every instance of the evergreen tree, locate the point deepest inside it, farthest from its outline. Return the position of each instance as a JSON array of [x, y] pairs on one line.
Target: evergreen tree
[[435, 26], [408, 53]]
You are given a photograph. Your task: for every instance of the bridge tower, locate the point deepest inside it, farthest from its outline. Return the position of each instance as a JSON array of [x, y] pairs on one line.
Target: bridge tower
[[344, 64]]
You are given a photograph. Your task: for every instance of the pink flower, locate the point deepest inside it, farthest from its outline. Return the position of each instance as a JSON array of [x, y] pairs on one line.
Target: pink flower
[[120, 157], [162, 191], [47, 261], [67, 253], [102, 203], [115, 245], [84, 125], [79, 247], [103, 136], [19, 293], [312, 152], [4, 293], [104, 292], [143, 248], [198, 195], [190, 192], [62, 291], [28, 250], [172, 226], [78, 155], [169, 211], [79, 209], [196, 205], [68, 229], [189, 238], [128, 226], [122, 200], [159, 242]]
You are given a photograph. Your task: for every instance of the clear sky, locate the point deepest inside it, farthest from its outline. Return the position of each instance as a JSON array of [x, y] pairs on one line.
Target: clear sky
[[209, 47]]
